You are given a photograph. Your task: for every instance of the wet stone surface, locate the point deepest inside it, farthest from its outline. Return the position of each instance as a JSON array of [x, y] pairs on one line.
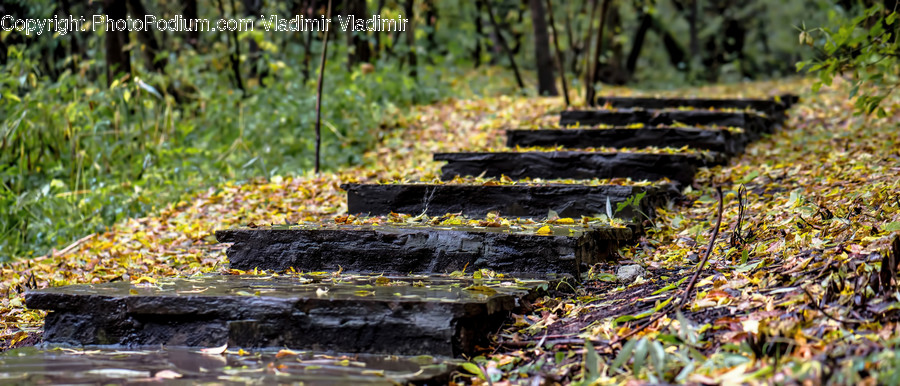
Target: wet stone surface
[[720, 140], [753, 123], [408, 248], [403, 315], [535, 201], [772, 107], [180, 366], [576, 165]]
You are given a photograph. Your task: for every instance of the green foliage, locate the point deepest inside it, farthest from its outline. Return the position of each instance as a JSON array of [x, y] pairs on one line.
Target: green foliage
[[473, 369], [633, 202], [769, 49], [860, 44], [591, 363], [77, 156], [671, 357]]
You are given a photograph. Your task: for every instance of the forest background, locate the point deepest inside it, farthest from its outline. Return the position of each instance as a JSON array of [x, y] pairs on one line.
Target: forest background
[[100, 126]]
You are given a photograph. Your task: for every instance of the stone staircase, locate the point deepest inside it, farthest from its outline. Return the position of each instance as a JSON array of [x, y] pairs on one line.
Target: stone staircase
[[439, 288]]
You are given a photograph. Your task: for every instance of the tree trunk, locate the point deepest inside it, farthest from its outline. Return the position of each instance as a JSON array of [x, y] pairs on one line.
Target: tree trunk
[[735, 37], [252, 9], [638, 43], [319, 91], [546, 83], [479, 35], [587, 40], [574, 45], [74, 44], [411, 39], [148, 39], [377, 51], [431, 17], [234, 56], [598, 52], [692, 23], [613, 69], [191, 12], [560, 60], [305, 38], [516, 35], [675, 51], [2, 53], [357, 44], [502, 41], [117, 60]]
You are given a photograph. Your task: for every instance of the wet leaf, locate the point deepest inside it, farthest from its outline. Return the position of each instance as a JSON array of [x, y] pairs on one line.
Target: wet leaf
[[120, 373], [167, 374], [143, 280], [473, 369], [285, 352], [215, 350], [481, 289]]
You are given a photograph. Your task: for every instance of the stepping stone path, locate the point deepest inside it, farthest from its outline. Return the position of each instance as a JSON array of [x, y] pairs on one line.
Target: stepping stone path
[[410, 314], [725, 141], [400, 288], [421, 249], [774, 107], [679, 166], [530, 199], [103, 365]]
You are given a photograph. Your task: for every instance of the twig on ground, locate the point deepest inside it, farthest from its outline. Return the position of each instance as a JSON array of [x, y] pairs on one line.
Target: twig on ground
[[67, 249], [709, 248], [691, 283], [827, 315], [484, 372], [807, 222], [658, 315], [736, 237], [572, 341]]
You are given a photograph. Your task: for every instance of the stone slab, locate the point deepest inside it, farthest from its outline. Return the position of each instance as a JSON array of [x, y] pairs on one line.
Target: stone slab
[[421, 249], [403, 315], [772, 107], [520, 200], [752, 123], [180, 366], [576, 165], [719, 140]]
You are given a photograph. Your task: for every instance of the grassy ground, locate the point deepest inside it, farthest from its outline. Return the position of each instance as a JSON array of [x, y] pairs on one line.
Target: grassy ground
[[795, 288]]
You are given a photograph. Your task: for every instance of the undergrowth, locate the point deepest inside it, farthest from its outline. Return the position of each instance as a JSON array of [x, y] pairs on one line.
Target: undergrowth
[[77, 156]]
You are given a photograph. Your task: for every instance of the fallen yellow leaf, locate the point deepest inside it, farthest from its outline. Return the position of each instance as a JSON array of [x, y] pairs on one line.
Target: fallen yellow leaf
[[144, 279]]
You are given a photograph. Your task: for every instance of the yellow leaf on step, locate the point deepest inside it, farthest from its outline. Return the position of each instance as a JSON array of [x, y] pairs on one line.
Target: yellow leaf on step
[[544, 230], [144, 279]]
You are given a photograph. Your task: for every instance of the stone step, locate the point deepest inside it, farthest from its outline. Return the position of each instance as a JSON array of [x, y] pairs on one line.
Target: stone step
[[98, 365], [679, 167], [533, 200], [772, 107], [402, 315], [416, 248], [720, 140], [751, 122]]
